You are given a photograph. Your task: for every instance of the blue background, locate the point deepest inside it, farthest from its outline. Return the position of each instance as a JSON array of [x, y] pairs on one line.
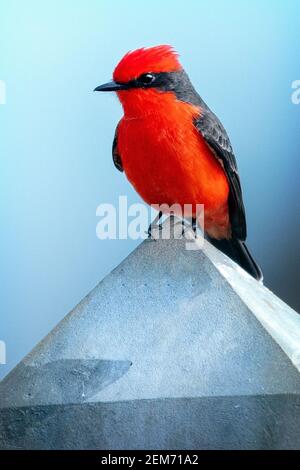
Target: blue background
[[56, 136]]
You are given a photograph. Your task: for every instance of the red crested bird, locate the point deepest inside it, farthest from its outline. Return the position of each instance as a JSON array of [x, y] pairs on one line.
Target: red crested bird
[[174, 150]]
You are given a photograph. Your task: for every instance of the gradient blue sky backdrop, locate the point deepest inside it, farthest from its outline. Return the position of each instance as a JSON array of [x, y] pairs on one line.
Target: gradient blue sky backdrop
[[56, 136]]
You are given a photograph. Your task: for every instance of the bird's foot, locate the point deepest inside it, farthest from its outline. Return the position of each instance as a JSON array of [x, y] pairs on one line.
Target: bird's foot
[[189, 225], [153, 226], [194, 226], [183, 225]]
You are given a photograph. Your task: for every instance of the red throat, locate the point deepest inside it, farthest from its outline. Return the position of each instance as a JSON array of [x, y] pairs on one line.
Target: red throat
[[139, 103]]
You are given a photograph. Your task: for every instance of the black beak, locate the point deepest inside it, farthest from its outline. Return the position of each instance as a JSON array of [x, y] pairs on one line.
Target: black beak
[[112, 86]]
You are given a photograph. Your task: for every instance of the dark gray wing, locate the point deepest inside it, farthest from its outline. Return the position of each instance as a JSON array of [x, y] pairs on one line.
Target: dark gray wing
[[115, 152], [216, 137]]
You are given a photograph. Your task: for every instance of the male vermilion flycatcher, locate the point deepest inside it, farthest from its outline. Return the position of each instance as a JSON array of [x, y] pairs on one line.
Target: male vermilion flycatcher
[[174, 150]]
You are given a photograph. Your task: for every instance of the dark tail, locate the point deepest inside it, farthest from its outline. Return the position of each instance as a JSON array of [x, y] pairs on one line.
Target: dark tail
[[238, 252]]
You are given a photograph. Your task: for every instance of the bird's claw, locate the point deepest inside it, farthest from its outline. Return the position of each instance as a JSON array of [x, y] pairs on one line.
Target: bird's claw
[[153, 226]]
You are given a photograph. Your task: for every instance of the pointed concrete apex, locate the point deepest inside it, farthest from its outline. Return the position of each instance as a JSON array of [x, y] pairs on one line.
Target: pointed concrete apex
[[177, 348]]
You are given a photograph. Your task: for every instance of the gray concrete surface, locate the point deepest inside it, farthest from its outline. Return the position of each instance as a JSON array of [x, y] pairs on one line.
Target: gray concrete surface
[[164, 353]]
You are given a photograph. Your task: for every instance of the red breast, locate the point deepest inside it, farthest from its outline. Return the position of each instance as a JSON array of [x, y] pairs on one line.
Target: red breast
[[166, 159]]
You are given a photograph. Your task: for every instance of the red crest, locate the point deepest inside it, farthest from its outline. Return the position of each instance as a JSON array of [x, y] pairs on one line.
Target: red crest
[[147, 59]]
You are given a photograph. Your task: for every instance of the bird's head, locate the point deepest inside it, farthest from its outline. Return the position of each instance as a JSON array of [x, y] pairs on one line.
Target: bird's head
[[144, 76]]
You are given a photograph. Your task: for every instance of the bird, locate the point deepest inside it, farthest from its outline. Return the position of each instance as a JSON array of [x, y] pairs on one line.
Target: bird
[[174, 150]]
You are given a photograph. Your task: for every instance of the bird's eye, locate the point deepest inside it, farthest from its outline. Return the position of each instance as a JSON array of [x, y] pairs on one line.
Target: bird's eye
[[146, 78]]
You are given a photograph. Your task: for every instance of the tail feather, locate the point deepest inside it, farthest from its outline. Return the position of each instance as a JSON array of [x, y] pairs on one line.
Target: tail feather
[[238, 252]]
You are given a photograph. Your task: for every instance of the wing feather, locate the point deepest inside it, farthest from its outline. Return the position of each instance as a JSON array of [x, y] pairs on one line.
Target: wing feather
[[216, 137], [115, 152]]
